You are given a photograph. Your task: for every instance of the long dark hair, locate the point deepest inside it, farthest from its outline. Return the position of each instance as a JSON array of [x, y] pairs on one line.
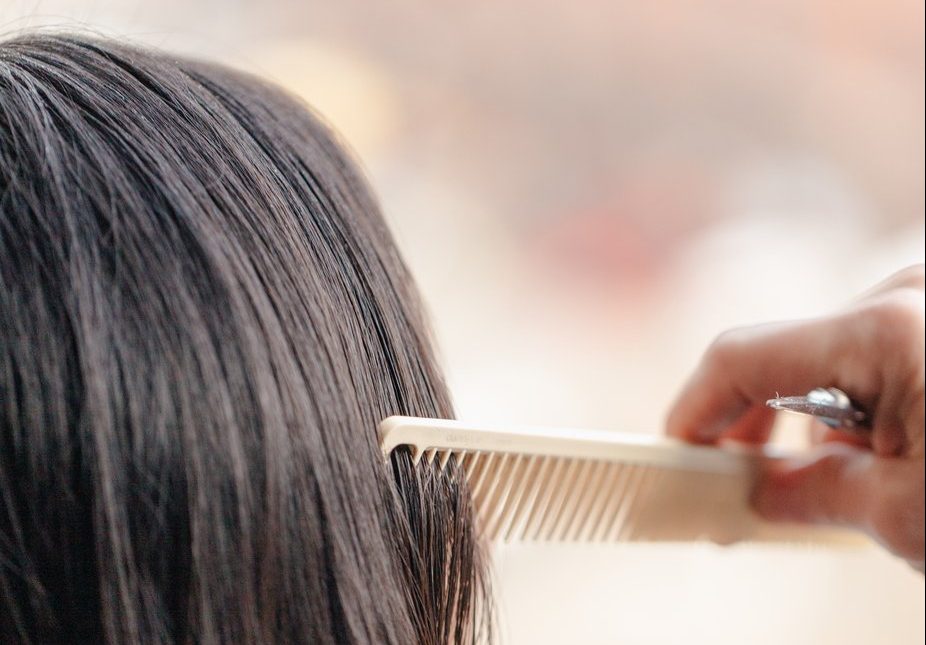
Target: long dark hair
[[203, 318]]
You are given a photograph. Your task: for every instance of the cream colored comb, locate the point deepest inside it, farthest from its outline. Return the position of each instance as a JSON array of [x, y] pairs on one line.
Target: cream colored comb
[[541, 484]]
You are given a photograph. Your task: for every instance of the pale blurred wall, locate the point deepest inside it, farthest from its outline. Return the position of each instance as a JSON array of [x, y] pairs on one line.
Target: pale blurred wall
[[587, 193]]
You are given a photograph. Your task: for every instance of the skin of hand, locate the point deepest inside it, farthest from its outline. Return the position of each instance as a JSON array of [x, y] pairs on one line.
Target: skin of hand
[[874, 351]]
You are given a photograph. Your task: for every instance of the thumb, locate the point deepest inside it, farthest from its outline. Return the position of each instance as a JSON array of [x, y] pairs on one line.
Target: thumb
[[834, 484]]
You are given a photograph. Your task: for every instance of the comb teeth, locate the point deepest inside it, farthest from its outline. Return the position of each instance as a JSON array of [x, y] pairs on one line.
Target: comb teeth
[[555, 499], [584, 486]]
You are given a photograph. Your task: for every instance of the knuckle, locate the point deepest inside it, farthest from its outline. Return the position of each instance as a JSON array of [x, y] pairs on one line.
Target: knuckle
[[726, 347], [898, 317], [913, 277]]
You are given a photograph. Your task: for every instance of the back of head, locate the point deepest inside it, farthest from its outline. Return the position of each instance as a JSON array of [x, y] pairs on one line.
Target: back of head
[[202, 320]]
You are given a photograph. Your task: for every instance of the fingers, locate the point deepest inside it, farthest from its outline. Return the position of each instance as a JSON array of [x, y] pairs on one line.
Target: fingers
[[892, 325], [843, 485], [745, 368], [835, 484], [874, 352], [913, 277], [820, 434], [753, 426]]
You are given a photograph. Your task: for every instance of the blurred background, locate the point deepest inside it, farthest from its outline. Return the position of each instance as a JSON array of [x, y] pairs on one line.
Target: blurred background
[[587, 193]]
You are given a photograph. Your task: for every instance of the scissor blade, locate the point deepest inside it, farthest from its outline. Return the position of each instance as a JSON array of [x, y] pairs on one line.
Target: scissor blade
[[832, 415]]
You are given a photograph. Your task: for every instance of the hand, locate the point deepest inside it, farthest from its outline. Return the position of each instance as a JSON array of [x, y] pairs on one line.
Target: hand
[[874, 351]]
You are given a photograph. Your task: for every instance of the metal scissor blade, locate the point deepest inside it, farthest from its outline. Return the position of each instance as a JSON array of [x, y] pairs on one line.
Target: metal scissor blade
[[831, 406]]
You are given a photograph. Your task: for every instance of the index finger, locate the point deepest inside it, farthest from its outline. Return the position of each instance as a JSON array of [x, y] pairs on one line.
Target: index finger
[[746, 367]]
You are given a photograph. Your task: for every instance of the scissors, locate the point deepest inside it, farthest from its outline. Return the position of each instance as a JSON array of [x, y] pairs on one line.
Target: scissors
[[830, 405]]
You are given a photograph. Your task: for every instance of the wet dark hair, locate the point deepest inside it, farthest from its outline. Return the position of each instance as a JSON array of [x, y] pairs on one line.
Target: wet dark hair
[[203, 318]]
